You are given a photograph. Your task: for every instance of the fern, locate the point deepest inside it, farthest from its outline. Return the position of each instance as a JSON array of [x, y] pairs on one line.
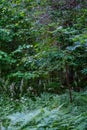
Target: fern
[[47, 112]]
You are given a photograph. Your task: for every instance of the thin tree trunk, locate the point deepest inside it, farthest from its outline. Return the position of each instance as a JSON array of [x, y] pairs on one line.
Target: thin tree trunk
[[68, 83]]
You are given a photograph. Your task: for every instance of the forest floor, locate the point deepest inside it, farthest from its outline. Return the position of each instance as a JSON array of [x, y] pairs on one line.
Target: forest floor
[[47, 112]]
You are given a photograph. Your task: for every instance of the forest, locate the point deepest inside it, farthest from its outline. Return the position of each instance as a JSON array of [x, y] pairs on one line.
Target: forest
[[43, 64]]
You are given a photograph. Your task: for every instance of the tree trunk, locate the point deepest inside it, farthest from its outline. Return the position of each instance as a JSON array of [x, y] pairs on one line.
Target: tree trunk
[[68, 82]]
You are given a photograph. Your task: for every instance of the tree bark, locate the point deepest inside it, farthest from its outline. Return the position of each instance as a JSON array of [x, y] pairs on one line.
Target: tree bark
[[68, 82]]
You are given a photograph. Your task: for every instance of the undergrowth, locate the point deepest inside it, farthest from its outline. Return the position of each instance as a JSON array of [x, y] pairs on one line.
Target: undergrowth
[[47, 112]]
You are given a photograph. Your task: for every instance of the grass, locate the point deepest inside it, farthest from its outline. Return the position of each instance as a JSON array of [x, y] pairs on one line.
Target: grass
[[47, 112]]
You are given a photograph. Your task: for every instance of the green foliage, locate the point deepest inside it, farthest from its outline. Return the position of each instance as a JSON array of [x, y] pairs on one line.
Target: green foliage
[[43, 46], [46, 112]]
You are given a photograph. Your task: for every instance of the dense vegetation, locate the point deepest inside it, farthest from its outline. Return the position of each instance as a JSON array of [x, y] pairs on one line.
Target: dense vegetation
[[43, 46], [47, 112], [43, 49]]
